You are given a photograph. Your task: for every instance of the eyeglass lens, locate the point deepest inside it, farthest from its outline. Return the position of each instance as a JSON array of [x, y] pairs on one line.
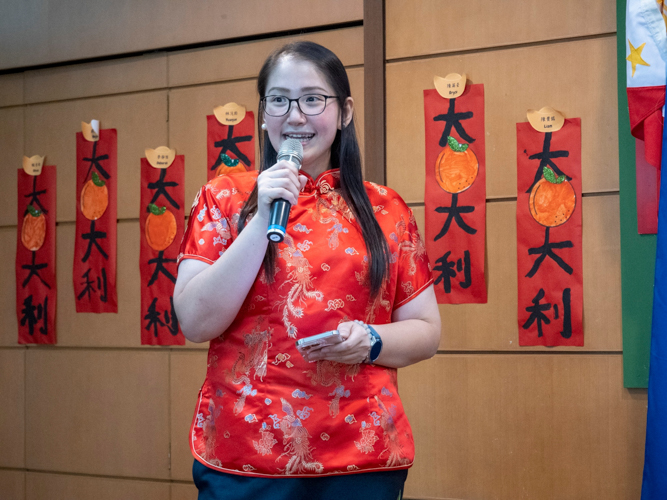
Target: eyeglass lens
[[309, 104]]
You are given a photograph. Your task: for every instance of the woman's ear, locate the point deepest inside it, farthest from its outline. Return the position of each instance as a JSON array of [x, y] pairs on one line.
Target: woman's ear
[[347, 112]]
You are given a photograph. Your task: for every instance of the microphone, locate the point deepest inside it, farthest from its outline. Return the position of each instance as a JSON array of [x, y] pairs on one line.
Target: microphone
[[290, 150]]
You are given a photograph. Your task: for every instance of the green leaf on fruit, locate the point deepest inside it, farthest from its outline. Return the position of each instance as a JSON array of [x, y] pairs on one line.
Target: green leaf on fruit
[[155, 210], [228, 161], [455, 145], [97, 181], [550, 176]]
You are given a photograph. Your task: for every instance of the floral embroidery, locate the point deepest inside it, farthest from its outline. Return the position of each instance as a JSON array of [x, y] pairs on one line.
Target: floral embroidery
[[332, 305], [408, 288], [202, 214], [280, 357], [302, 229], [297, 444], [215, 213], [299, 277], [368, 438], [221, 227], [392, 447], [266, 442], [410, 245], [224, 193], [301, 394], [254, 358], [380, 300], [380, 189], [327, 374]]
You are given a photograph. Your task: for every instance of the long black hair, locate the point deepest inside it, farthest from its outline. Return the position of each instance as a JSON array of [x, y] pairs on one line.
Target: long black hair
[[345, 156]]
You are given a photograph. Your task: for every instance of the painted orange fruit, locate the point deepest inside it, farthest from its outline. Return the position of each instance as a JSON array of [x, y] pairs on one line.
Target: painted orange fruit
[[552, 199], [229, 166], [456, 167], [160, 227], [94, 198], [33, 232], [225, 170]]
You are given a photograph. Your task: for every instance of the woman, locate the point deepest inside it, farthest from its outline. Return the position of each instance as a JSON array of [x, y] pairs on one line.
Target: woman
[[352, 261]]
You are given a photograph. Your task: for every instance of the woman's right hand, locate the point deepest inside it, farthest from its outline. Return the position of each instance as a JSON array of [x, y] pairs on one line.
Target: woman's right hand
[[282, 180]]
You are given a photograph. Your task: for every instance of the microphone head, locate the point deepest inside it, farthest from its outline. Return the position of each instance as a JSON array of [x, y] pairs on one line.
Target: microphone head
[[291, 150]]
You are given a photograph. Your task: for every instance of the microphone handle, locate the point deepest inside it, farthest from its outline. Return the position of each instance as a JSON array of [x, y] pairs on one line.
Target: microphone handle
[[278, 220]]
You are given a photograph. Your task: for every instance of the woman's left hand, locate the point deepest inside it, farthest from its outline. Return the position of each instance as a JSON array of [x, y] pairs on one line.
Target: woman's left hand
[[353, 349]]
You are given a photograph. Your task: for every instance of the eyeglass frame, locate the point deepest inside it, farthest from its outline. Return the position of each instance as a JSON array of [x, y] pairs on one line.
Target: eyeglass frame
[[289, 104]]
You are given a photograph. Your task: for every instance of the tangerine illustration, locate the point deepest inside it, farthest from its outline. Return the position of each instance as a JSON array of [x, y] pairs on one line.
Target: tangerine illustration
[[160, 228], [456, 167], [225, 170], [94, 198], [552, 199], [229, 166], [33, 231]]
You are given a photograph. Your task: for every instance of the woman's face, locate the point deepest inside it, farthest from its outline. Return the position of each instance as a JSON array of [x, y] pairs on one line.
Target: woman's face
[[293, 78]]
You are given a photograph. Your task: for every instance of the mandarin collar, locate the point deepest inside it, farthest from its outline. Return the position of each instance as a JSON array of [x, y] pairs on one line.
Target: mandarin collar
[[325, 182]]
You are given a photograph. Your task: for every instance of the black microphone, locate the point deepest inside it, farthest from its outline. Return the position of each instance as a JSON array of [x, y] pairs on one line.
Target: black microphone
[[290, 150]]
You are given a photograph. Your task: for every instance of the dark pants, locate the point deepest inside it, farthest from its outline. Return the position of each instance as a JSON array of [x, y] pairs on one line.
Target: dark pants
[[215, 485]]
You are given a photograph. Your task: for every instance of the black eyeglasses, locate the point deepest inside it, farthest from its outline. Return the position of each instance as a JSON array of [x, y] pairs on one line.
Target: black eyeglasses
[[308, 104]]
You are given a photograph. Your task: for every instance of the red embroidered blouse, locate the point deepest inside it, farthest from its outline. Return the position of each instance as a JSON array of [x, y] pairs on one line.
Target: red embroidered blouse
[[263, 410]]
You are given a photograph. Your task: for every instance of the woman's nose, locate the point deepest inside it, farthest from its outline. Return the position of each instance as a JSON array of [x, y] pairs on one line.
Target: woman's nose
[[294, 113]]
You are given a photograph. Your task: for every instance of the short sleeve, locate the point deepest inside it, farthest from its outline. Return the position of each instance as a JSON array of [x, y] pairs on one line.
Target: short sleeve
[[414, 269], [210, 231]]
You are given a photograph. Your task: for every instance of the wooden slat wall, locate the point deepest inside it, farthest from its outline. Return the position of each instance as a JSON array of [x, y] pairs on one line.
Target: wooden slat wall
[[98, 415], [493, 420], [45, 32]]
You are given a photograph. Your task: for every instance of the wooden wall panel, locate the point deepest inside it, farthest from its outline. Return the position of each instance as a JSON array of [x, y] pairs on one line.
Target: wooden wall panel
[[494, 326], [37, 33], [116, 76], [524, 426], [244, 60], [41, 486], [11, 89], [184, 492], [579, 80], [11, 145], [421, 27], [100, 412], [10, 328], [12, 400], [141, 121], [187, 373], [12, 484]]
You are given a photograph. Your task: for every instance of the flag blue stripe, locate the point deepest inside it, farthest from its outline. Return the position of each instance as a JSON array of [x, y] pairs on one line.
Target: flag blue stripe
[[654, 485]]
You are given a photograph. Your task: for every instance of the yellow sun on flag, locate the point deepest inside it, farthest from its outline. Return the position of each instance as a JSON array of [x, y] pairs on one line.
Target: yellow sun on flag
[[635, 56]]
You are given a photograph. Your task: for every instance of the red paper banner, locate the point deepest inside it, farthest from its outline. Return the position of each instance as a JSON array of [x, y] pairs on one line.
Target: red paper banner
[[161, 221], [548, 217], [455, 195], [36, 257], [96, 216], [231, 148], [648, 191]]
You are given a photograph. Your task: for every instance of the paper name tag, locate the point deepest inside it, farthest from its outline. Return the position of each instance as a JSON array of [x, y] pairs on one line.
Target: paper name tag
[[33, 165], [160, 157], [91, 131], [229, 114], [546, 119], [451, 86]]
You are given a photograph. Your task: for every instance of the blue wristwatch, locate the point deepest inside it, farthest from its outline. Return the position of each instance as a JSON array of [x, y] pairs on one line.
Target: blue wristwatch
[[376, 345]]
